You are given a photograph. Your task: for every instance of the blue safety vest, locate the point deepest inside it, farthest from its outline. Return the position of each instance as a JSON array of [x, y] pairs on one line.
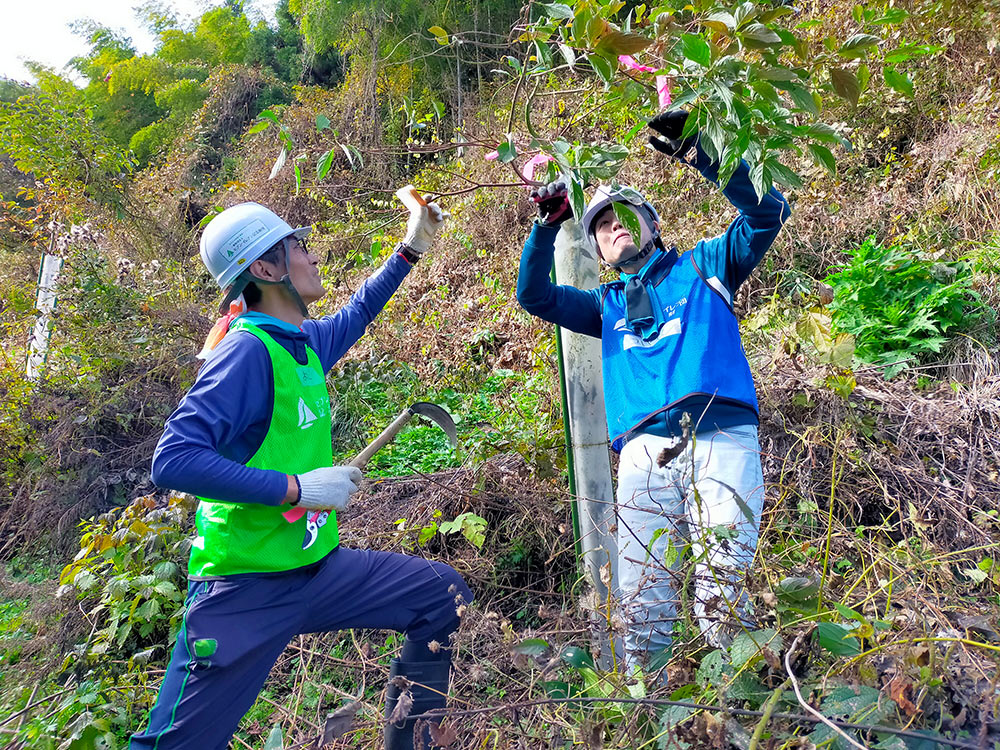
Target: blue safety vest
[[697, 352]]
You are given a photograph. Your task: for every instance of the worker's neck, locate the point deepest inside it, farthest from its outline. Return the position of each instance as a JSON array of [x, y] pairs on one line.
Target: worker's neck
[[277, 304]]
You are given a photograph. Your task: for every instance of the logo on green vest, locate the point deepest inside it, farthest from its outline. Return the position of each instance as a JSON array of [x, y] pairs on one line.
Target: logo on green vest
[[306, 416]]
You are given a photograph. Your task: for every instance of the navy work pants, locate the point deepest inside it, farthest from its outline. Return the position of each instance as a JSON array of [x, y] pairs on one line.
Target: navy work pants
[[234, 629]]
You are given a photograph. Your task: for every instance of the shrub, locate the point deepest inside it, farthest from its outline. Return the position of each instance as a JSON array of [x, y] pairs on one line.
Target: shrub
[[900, 306], [131, 560]]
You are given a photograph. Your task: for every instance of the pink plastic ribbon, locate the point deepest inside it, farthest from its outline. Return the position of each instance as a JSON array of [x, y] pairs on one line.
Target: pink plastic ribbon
[[663, 91], [492, 155], [629, 62], [528, 170], [294, 514]]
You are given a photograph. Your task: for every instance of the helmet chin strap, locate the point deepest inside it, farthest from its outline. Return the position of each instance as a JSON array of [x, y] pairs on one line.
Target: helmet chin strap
[[285, 281], [653, 244]]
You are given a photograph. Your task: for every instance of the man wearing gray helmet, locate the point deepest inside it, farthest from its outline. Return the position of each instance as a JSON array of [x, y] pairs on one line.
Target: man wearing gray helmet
[[252, 440], [680, 399]]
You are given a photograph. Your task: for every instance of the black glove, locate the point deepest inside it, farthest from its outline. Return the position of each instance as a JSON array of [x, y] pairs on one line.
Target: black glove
[[670, 125], [552, 201]]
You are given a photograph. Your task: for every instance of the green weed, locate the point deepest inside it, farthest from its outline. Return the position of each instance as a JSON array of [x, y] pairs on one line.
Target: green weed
[[900, 306]]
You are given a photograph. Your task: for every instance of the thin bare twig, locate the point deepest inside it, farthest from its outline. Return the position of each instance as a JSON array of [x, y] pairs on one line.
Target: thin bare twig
[[802, 701]]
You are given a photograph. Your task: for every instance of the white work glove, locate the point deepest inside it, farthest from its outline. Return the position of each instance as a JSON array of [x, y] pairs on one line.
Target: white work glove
[[328, 487], [423, 224]]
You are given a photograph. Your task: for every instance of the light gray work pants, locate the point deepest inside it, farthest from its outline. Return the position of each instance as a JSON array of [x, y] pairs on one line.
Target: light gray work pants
[[709, 497]]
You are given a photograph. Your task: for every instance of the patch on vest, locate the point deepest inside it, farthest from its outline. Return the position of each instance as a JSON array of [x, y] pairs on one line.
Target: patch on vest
[[308, 376], [670, 328]]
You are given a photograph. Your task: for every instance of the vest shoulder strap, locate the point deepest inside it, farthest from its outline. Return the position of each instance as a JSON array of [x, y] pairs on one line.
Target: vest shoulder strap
[[715, 284]]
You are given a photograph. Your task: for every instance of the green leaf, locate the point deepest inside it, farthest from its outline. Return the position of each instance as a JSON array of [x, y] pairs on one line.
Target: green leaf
[[148, 610], [531, 647], [348, 154], [629, 219], [603, 67], [776, 13], [440, 34], [892, 16], [859, 704], [267, 114], [747, 647], [721, 21], [760, 178], [836, 639], [798, 588], [823, 156], [758, 32], [507, 151], [898, 82], [858, 45], [845, 83], [260, 126], [358, 161], [776, 74], [165, 569], [783, 174], [324, 164], [577, 657], [279, 162], [543, 54], [577, 199], [568, 54], [473, 528], [696, 49], [713, 669], [975, 574], [823, 132], [322, 123], [621, 43], [802, 97], [849, 613], [556, 10], [166, 588], [85, 580]]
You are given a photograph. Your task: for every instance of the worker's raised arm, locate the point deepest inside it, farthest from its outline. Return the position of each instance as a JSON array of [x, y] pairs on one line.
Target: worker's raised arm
[[566, 306], [333, 335], [734, 254]]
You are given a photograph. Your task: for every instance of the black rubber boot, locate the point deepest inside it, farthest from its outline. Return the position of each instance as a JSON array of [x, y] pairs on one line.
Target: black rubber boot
[[430, 694]]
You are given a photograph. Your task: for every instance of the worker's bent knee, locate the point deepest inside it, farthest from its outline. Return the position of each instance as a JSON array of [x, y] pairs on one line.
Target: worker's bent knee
[[446, 603]]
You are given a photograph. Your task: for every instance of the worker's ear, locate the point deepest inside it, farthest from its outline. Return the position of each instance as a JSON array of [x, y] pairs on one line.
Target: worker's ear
[[265, 271]]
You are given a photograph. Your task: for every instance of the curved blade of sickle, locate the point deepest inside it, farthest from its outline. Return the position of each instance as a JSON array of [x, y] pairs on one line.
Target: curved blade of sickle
[[439, 417]]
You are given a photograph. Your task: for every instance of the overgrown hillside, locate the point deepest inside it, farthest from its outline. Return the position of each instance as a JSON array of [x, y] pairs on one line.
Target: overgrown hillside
[[870, 327]]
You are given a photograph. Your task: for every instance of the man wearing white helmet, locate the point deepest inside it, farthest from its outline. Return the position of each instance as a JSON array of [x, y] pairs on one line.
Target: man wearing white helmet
[[680, 399], [251, 440]]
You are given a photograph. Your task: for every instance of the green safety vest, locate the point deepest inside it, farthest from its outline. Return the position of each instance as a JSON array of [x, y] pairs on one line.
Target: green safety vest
[[254, 538]]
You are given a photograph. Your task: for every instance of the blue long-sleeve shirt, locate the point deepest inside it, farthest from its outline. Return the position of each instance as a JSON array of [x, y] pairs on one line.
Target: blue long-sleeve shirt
[[730, 258], [221, 422]]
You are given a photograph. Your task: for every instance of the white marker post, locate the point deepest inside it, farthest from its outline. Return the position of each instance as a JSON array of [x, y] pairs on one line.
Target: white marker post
[[577, 266], [45, 304]]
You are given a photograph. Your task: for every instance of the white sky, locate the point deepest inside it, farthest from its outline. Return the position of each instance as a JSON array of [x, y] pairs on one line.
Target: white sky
[[39, 29]]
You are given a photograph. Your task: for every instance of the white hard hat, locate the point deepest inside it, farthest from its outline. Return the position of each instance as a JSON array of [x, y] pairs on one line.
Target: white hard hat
[[238, 236], [604, 196]]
